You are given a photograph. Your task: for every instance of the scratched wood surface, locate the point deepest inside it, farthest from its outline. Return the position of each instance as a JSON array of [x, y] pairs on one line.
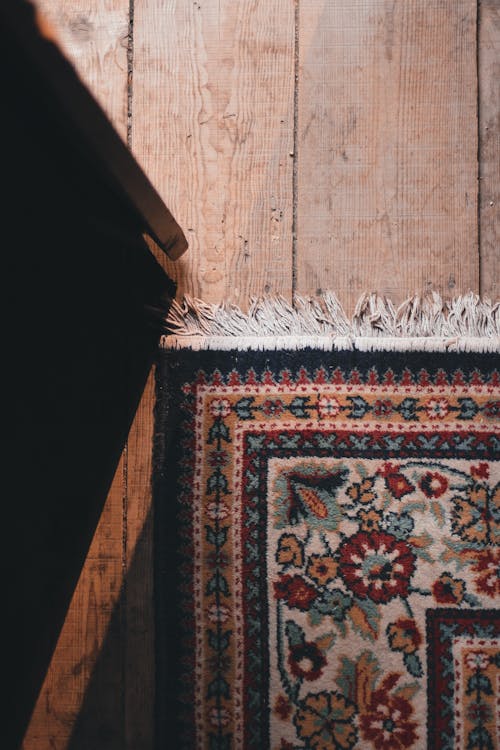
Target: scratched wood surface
[[387, 147], [489, 146], [301, 146], [213, 92]]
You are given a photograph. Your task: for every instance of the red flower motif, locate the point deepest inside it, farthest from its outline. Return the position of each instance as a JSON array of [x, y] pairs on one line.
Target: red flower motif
[[477, 660], [481, 471], [220, 407], [377, 566], [218, 613], [404, 635], [218, 662], [448, 590], [219, 717], [433, 484], [282, 707], [306, 660], [217, 559], [273, 407], [387, 722], [382, 408], [297, 593], [217, 511], [396, 483], [328, 406], [479, 713], [218, 458], [488, 568], [437, 408], [492, 409], [388, 468]]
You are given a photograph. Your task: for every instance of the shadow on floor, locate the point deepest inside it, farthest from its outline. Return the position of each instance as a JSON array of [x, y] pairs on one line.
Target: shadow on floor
[[118, 707]]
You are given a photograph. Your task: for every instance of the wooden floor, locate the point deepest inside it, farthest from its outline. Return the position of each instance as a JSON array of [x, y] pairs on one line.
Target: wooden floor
[[302, 145]]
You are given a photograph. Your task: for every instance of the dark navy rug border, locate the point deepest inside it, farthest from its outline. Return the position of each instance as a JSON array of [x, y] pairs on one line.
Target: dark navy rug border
[[173, 369]]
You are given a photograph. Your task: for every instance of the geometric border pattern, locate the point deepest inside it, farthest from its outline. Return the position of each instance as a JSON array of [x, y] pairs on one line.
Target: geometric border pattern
[[186, 381], [447, 723]]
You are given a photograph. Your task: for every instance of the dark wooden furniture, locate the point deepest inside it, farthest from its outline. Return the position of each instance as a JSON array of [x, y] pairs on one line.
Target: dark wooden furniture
[[83, 296]]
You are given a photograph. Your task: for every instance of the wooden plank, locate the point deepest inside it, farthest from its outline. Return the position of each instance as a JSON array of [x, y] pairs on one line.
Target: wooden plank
[[85, 632], [489, 146], [139, 616], [92, 133], [213, 127], [95, 38], [387, 147]]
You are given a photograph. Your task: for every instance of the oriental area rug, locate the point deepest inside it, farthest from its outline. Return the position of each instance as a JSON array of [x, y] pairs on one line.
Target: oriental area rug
[[327, 540]]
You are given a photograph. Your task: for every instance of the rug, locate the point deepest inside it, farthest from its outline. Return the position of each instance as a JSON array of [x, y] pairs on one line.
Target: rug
[[327, 547]]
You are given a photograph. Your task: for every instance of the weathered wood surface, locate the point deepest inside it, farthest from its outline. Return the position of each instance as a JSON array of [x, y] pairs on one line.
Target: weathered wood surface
[[387, 147], [489, 146], [369, 155], [94, 35], [86, 632], [213, 87]]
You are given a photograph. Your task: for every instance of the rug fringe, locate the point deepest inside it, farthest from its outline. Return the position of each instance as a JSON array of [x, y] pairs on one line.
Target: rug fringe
[[420, 323]]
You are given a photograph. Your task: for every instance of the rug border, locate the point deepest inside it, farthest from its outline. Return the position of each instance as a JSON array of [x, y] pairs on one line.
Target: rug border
[[190, 362]]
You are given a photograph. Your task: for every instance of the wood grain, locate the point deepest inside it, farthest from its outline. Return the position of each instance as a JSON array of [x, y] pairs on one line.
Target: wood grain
[[213, 127], [139, 615], [94, 37], [386, 198], [387, 147], [82, 639], [489, 146]]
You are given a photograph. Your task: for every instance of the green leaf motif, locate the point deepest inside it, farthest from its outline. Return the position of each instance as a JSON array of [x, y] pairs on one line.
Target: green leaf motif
[[217, 583], [217, 538], [359, 407], [413, 664], [371, 611], [333, 602], [479, 739], [225, 640], [218, 687], [217, 481], [472, 600], [255, 442], [315, 616], [468, 408], [294, 633], [423, 554], [479, 683], [218, 431], [300, 406], [219, 641], [361, 469], [290, 442], [407, 408], [346, 677], [244, 408]]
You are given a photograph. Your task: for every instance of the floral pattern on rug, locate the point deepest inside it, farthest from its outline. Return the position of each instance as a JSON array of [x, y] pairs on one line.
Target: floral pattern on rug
[[326, 518], [396, 539]]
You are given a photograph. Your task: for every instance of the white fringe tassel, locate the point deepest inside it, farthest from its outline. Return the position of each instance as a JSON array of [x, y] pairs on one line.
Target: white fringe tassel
[[429, 323]]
